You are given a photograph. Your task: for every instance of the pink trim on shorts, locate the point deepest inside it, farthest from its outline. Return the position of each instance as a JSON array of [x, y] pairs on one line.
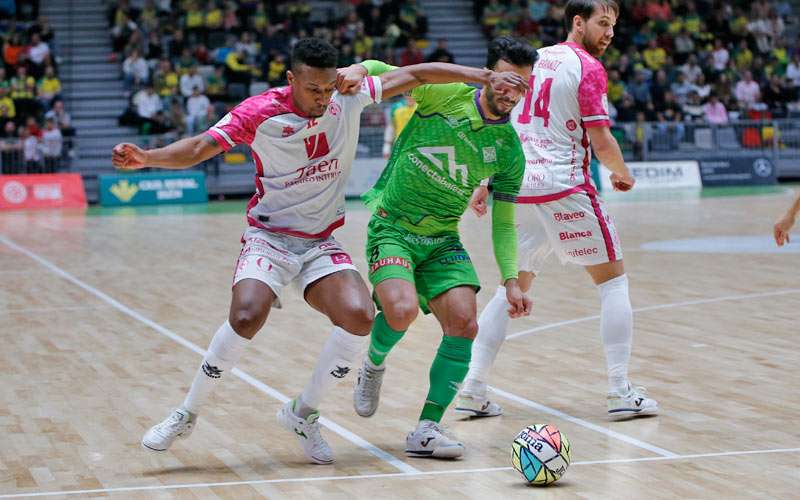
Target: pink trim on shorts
[[546, 198], [612, 255], [299, 234]]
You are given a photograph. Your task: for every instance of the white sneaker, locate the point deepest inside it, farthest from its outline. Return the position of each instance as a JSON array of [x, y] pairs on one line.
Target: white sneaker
[[367, 391], [428, 440], [476, 405], [307, 431], [179, 424], [633, 403]]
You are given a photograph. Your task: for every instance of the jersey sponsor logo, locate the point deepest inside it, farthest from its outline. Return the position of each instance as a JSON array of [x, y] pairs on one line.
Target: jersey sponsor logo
[[436, 176], [550, 64], [312, 122], [581, 252], [489, 154], [389, 261], [287, 131], [328, 245], [326, 170], [341, 258], [569, 216], [538, 142], [566, 235], [334, 108], [571, 125], [316, 145], [425, 240], [463, 136], [455, 170]]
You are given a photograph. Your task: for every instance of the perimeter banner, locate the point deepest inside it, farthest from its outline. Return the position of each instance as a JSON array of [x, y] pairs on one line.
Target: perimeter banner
[[41, 191], [153, 189]]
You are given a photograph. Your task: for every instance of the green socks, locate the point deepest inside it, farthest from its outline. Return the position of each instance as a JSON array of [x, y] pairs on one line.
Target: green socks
[[382, 339], [448, 370]]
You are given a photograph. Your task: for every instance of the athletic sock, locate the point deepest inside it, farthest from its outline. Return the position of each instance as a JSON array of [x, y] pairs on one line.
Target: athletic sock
[[382, 339], [223, 353], [340, 352], [616, 329], [447, 372], [492, 327]]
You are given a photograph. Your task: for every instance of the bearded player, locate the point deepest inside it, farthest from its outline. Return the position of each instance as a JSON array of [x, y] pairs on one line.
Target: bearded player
[[559, 210]]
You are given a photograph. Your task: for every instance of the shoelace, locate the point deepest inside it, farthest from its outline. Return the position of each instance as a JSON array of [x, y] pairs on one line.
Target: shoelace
[[441, 430], [172, 424], [315, 436], [371, 380]]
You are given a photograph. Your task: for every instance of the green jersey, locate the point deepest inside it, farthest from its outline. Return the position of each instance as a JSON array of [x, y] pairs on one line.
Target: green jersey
[[444, 152]]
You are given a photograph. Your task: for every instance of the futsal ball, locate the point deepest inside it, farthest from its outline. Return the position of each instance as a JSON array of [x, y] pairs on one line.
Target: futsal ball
[[541, 453]]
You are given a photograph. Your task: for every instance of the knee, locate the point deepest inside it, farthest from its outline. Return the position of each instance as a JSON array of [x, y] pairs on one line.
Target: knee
[[401, 314], [462, 326], [355, 318], [247, 319]]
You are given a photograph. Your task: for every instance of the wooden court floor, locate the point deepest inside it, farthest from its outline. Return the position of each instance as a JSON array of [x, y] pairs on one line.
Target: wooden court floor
[[103, 319]]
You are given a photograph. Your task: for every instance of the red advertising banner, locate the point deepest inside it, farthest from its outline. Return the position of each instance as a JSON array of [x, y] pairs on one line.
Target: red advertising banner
[[41, 191]]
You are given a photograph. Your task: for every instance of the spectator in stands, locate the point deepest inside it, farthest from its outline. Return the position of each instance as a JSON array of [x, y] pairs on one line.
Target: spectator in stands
[[681, 88], [237, 69], [122, 29], [411, 54], [492, 15], [165, 79], [693, 110], [658, 89], [777, 96], [49, 87], [176, 118], [793, 70], [196, 111], [654, 56], [748, 92], [176, 44], [12, 50], [193, 22], [441, 54], [216, 85], [155, 50], [720, 56], [64, 123], [412, 20], [684, 45], [715, 112], [191, 80], [277, 70], [38, 55], [640, 89], [185, 62], [363, 45], [31, 152], [692, 70], [10, 149], [23, 92], [397, 117], [135, 70], [7, 105], [147, 105], [52, 147], [538, 9]]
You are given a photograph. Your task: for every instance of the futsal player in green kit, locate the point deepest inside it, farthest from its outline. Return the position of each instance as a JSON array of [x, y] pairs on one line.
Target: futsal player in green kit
[[458, 136]]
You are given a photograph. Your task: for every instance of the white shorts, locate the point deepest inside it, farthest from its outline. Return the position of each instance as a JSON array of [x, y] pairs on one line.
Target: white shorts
[[576, 227], [279, 259]]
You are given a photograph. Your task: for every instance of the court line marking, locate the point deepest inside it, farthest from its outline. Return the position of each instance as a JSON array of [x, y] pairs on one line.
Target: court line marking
[[584, 423], [264, 388], [255, 482], [671, 305]]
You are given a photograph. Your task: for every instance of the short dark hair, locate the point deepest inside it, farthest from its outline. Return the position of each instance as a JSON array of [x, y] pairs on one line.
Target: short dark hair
[[315, 53], [512, 50], [585, 9]]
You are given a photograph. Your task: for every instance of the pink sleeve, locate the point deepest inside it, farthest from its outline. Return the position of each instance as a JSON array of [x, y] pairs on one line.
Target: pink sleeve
[[238, 126], [592, 96]]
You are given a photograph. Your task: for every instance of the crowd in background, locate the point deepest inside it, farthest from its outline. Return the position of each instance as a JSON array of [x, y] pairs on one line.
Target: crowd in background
[[679, 62], [33, 121], [186, 61]]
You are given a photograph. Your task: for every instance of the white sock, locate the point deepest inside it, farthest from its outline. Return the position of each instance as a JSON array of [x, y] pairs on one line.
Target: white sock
[[492, 326], [223, 353], [340, 353], [616, 329]]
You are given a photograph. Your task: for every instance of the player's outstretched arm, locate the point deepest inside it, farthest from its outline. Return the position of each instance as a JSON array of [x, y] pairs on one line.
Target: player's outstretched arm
[[785, 223], [178, 155], [504, 240], [607, 151], [396, 81]]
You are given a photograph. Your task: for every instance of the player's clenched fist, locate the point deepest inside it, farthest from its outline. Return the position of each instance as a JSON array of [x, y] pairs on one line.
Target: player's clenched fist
[[128, 156], [520, 303], [622, 182]]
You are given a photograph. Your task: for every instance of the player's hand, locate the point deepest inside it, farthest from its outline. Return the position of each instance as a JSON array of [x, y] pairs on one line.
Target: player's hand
[[520, 303], [127, 156], [348, 80], [508, 82], [622, 182], [478, 202], [782, 228]]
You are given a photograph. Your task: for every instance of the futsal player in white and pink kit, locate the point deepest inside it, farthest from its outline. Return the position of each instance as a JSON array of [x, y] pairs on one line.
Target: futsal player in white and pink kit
[[562, 119], [303, 138]]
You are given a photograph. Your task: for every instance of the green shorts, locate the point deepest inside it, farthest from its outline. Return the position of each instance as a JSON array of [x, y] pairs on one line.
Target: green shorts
[[434, 264]]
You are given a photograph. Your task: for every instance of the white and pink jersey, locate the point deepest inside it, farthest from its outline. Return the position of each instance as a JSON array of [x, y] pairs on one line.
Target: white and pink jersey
[[567, 95], [302, 163]]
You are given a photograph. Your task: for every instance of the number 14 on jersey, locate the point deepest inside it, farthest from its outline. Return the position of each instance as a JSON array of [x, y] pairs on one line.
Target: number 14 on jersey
[[542, 104]]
